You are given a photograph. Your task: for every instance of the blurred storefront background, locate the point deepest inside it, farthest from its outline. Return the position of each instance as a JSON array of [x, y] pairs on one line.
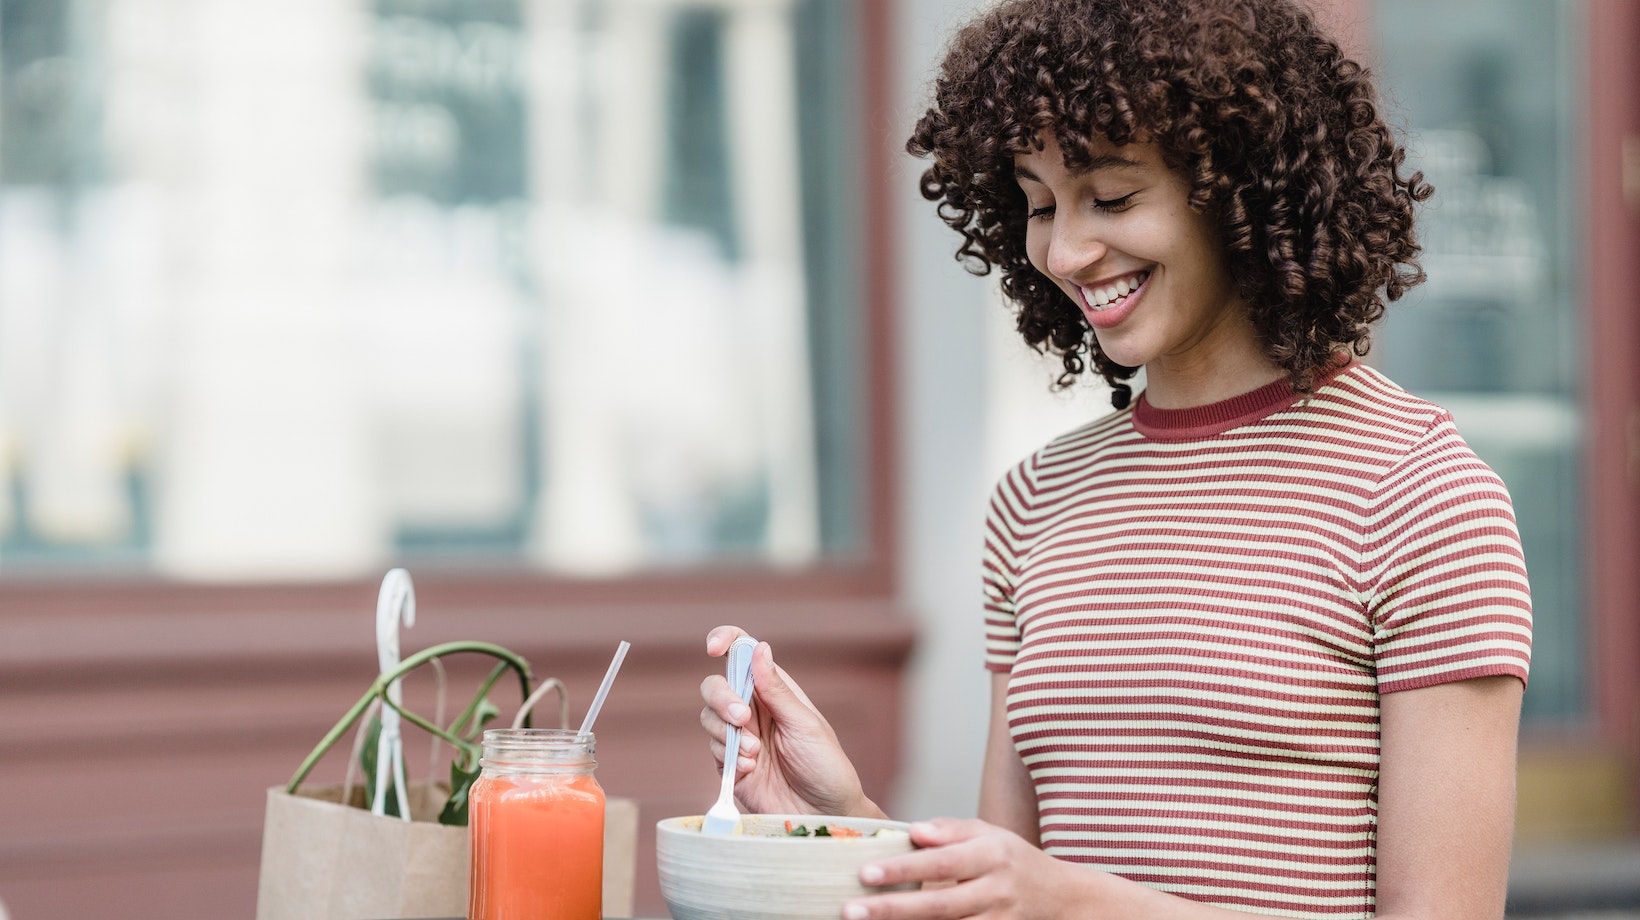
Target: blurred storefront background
[[1515, 333], [623, 318], [293, 290]]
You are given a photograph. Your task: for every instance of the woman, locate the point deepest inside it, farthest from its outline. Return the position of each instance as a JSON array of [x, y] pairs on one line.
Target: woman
[[1258, 639]]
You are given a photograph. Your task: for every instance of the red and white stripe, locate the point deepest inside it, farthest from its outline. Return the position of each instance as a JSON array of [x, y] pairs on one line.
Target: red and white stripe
[[1199, 610]]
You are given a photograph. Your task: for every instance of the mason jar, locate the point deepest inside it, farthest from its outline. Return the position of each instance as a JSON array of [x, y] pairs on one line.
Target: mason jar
[[536, 816]]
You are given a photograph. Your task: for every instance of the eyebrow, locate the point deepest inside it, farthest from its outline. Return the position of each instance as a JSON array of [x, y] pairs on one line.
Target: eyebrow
[[1095, 164]]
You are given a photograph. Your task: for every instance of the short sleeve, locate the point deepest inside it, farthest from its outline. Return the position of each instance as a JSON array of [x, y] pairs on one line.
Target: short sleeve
[[1004, 521], [1449, 598]]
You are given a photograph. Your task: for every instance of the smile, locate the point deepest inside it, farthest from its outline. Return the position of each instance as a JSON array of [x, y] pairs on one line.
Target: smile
[[1111, 294]]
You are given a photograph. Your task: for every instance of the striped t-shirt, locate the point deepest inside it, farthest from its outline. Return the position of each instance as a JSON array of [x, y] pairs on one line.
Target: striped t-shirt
[[1198, 610]]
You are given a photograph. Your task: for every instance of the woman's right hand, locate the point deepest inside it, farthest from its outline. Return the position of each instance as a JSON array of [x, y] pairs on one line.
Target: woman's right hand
[[790, 760]]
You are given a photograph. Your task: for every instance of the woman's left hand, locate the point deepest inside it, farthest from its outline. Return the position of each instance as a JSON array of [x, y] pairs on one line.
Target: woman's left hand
[[969, 869]]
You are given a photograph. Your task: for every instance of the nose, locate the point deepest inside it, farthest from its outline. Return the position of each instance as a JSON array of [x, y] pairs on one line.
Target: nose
[[1073, 246]]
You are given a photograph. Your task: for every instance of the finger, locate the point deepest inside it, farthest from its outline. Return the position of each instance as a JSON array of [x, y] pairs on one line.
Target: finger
[[714, 725], [721, 637], [743, 764], [717, 730], [786, 679], [724, 701], [935, 865], [777, 692], [926, 904], [939, 832], [952, 850]]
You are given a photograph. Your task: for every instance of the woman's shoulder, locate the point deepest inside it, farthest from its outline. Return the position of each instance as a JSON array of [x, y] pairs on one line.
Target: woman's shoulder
[[1365, 399], [1414, 438]]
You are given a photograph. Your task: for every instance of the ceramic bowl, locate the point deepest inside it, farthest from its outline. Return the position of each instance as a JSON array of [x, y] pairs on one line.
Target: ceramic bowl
[[763, 874]]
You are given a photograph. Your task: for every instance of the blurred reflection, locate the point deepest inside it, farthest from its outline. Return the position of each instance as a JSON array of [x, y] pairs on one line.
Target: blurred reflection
[[1490, 93], [292, 287]]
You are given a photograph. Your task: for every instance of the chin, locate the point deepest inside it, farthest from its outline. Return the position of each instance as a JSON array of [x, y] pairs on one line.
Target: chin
[[1125, 354]]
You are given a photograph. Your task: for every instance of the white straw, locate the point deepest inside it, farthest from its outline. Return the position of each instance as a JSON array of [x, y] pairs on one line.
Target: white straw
[[603, 689]]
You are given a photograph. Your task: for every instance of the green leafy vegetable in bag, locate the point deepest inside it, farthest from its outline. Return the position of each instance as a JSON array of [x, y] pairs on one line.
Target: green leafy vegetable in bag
[[464, 733]]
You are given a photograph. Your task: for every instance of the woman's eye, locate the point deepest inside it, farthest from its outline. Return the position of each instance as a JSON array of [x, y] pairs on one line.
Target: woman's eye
[[1039, 213], [1113, 205]]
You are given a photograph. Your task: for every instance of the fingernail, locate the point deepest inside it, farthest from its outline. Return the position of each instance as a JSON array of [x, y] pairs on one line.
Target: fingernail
[[738, 712], [855, 912], [871, 875], [921, 828]]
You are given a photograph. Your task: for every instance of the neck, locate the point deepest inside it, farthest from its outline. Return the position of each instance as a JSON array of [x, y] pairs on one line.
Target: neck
[[1224, 359], [1184, 384]]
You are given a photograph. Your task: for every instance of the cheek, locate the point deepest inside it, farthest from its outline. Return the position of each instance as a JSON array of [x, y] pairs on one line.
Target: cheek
[[1199, 245]]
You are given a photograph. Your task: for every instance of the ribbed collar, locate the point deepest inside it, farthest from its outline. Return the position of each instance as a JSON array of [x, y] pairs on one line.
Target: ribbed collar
[[1215, 418]]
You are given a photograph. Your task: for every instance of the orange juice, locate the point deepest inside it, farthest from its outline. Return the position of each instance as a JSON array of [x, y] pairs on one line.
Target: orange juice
[[536, 816]]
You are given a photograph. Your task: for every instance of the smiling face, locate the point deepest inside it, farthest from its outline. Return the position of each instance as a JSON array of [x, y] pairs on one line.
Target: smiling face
[[1146, 270]]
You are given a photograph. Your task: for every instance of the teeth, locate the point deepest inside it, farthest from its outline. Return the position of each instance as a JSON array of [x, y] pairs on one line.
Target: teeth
[[1102, 297]]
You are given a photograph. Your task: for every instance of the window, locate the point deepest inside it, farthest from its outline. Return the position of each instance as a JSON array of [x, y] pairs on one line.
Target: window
[[294, 291]]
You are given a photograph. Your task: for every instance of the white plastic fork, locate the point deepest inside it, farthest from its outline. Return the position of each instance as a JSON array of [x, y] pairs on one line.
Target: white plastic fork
[[724, 816]]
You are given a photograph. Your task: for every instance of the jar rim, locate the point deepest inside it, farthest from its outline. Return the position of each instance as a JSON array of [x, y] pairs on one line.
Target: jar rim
[[538, 736], [538, 747]]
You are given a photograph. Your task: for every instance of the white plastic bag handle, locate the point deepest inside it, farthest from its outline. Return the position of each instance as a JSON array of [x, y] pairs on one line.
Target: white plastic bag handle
[[397, 600]]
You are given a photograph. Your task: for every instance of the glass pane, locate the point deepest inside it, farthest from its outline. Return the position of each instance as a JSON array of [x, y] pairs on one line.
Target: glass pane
[[295, 289], [1490, 92]]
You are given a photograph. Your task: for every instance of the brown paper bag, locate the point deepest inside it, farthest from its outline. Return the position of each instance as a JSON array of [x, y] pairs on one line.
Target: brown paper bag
[[328, 861], [322, 860]]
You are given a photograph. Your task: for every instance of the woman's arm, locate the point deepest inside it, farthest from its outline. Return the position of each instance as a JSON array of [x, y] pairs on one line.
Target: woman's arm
[[1446, 799], [1006, 796]]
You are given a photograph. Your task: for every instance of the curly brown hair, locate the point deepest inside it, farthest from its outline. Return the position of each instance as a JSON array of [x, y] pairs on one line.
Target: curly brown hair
[[1277, 130]]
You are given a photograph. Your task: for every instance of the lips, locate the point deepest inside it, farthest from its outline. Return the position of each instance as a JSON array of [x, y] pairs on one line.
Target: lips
[[1108, 303]]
